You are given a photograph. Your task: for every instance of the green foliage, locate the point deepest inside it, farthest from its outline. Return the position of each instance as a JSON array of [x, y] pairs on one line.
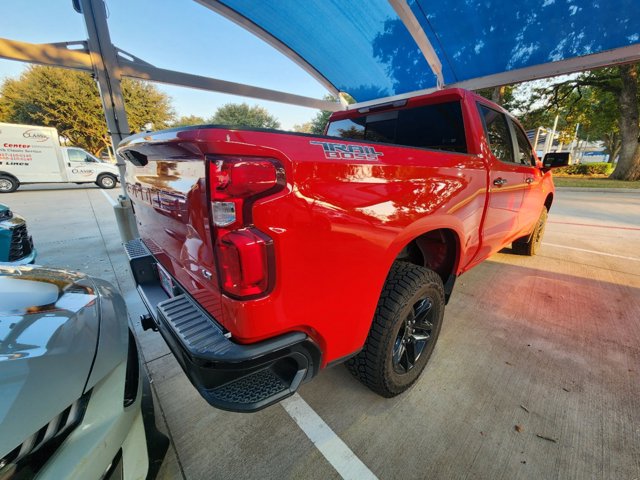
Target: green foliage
[[600, 168], [188, 120], [590, 99], [69, 101], [319, 122], [303, 127], [144, 103], [242, 115], [503, 95]]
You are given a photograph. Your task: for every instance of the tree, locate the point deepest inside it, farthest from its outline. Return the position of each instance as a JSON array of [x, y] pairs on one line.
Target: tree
[[606, 103], [241, 114], [319, 122], [188, 120], [502, 95], [144, 103], [302, 127], [69, 101]]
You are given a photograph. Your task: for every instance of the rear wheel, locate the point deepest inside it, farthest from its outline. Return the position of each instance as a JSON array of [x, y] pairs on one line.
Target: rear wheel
[[106, 181], [404, 330], [8, 184], [530, 245]]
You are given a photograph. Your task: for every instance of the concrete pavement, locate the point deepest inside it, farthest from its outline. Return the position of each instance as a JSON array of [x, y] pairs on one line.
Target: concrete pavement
[[549, 343]]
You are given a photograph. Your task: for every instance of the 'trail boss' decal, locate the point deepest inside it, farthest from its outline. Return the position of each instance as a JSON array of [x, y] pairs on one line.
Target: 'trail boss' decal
[[343, 151]]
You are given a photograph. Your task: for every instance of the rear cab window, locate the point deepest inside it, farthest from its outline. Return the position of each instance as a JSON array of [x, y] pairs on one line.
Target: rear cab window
[[438, 126]]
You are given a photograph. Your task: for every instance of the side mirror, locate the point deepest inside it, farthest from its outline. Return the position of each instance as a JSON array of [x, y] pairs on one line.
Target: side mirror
[[555, 160]]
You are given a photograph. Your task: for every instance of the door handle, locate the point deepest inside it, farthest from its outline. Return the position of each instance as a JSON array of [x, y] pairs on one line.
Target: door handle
[[529, 180], [500, 181], [69, 163]]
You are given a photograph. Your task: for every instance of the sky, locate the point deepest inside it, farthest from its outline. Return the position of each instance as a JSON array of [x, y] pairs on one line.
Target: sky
[[178, 35]]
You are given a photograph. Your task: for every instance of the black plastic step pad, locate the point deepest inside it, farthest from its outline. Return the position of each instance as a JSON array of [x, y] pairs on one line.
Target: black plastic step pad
[[136, 249], [251, 389], [193, 327]]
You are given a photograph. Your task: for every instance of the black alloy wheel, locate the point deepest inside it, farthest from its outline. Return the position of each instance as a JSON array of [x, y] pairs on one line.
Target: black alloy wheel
[[403, 332], [413, 337]]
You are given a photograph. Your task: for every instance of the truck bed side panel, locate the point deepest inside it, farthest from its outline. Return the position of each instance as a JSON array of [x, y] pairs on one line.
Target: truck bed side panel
[[337, 227]]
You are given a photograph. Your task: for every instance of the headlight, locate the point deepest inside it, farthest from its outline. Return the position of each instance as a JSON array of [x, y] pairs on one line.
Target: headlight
[[6, 215]]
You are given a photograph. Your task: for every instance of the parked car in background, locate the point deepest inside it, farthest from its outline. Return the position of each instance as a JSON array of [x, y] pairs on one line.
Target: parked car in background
[[70, 382], [16, 245], [30, 154]]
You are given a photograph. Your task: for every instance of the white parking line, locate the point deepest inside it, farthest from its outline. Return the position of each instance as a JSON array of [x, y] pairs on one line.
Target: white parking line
[[346, 463], [592, 251], [108, 197]]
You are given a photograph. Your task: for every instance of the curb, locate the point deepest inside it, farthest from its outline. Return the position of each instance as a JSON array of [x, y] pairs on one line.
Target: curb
[[598, 190]]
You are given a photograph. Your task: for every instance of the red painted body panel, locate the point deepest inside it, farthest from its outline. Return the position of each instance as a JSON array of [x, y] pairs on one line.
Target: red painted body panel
[[337, 226]]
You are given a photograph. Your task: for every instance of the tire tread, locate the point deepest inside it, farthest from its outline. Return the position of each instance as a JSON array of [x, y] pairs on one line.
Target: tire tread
[[403, 280]]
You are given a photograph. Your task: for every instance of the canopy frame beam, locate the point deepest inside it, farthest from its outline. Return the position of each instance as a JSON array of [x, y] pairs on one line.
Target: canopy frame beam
[[245, 23], [411, 23], [608, 58], [128, 65]]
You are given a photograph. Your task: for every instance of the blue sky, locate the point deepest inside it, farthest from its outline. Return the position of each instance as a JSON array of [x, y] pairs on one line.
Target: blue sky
[[179, 35]]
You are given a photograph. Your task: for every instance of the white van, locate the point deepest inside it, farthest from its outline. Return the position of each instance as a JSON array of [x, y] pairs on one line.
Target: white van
[[31, 154]]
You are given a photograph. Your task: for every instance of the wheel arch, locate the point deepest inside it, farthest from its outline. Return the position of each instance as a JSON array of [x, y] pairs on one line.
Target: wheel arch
[[7, 174], [11, 177], [437, 249], [548, 201]]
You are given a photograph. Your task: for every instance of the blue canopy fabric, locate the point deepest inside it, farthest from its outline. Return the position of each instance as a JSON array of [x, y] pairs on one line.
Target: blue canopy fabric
[[363, 48]]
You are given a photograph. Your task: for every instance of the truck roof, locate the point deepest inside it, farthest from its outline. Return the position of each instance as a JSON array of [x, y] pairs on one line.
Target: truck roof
[[437, 96]]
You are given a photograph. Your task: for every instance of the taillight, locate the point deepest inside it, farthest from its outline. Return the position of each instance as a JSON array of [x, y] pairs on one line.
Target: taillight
[[244, 262], [244, 254]]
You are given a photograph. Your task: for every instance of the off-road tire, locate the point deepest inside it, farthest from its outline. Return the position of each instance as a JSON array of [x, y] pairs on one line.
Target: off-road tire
[[530, 246], [8, 184], [407, 285], [106, 181]]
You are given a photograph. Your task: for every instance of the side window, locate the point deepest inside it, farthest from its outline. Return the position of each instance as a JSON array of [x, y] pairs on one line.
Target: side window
[[76, 155], [524, 154], [497, 130]]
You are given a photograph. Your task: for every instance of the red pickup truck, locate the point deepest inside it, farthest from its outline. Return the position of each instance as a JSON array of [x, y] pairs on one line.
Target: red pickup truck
[[266, 256]]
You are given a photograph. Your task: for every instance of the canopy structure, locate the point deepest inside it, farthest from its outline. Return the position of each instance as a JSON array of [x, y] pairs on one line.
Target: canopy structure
[[380, 48], [374, 50]]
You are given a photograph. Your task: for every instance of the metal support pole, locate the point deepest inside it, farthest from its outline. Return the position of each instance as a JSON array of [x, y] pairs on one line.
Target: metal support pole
[[574, 143], [536, 139], [551, 137], [107, 73]]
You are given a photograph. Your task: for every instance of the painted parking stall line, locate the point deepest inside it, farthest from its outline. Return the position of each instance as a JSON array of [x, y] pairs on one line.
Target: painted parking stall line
[[595, 225], [108, 197], [337, 453], [635, 259]]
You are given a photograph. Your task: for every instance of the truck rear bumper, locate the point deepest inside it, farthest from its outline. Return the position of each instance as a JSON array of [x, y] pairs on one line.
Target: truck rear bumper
[[230, 376]]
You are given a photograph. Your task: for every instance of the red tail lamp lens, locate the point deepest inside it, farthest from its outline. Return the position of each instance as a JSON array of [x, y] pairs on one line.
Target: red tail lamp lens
[[236, 182], [244, 255], [241, 177], [243, 262]]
